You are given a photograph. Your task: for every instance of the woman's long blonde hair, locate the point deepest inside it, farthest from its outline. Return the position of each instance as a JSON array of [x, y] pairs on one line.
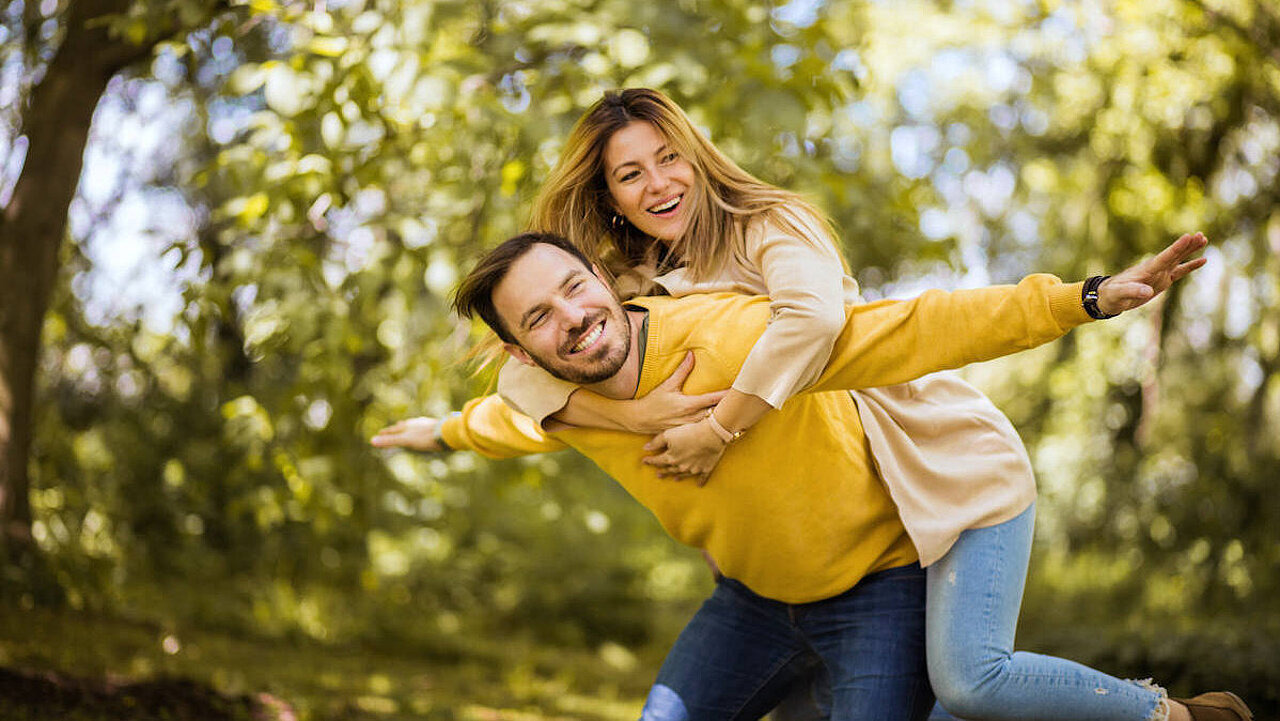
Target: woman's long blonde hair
[[575, 203]]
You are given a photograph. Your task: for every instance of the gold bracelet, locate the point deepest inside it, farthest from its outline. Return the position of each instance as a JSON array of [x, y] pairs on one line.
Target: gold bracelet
[[725, 434]]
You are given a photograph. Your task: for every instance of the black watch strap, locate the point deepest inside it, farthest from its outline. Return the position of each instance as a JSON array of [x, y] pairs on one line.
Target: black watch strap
[[1089, 298]]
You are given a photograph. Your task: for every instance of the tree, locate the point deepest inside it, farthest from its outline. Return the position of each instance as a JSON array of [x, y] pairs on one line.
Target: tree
[[94, 40]]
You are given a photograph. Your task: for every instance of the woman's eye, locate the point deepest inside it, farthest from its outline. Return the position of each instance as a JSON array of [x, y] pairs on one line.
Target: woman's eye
[[575, 287], [629, 176], [670, 157]]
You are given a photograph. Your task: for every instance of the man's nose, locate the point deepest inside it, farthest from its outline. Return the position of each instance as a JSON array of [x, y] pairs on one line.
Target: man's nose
[[571, 315]]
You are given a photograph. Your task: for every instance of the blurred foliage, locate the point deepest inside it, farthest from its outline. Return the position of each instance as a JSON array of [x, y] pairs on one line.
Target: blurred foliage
[[274, 211]]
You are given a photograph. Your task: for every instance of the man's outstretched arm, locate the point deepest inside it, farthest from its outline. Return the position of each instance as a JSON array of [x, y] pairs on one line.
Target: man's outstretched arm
[[485, 425]]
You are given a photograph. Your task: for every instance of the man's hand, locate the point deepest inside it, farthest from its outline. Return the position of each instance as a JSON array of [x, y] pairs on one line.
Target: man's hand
[[1131, 288], [666, 406], [416, 434]]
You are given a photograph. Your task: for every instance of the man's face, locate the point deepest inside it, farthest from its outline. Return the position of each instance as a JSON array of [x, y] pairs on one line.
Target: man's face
[[563, 317]]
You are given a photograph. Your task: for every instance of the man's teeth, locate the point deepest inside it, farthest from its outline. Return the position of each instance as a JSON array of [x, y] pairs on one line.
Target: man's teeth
[[589, 338], [666, 206]]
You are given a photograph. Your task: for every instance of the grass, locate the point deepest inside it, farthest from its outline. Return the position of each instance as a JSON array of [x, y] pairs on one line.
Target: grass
[[488, 680]]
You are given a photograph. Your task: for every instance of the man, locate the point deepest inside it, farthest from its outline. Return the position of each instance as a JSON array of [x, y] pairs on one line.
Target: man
[[816, 560]]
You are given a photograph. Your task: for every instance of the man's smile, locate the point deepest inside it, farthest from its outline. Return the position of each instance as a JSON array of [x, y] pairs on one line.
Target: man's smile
[[588, 339]]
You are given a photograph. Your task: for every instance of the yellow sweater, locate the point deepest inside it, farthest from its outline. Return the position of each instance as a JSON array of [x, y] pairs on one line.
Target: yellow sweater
[[795, 509]]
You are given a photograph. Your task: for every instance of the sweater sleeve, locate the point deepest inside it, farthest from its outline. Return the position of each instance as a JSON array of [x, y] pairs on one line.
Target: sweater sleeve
[[532, 391], [491, 428], [804, 279], [891, 342]]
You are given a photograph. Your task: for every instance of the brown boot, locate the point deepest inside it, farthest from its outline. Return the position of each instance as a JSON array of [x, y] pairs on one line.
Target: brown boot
[[1217, 706]]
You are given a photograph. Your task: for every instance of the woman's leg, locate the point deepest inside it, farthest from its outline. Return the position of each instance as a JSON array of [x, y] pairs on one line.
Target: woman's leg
[[974, 595]]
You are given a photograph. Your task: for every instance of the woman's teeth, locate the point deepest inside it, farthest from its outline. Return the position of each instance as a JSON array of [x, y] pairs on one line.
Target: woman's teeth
[[667, 205], [588, 339]]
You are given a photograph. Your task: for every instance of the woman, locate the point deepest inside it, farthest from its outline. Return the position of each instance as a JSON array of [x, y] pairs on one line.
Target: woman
[[643, 193]]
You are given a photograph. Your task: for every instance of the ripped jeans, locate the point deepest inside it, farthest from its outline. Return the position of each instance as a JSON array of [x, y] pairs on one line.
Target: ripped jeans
[[741, 653], [975, 592]]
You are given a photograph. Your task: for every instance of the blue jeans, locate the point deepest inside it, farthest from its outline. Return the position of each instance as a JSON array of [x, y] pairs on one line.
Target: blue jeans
[[741, 653], [975, 592]]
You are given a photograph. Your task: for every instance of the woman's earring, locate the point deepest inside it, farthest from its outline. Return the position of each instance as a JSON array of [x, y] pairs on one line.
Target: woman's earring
[[616, 221]]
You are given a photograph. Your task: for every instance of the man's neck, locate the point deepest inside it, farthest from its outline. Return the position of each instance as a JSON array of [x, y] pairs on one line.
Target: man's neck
[[622, 385]]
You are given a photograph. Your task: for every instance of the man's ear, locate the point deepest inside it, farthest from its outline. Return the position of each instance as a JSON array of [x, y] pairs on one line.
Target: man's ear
[[518, 353]]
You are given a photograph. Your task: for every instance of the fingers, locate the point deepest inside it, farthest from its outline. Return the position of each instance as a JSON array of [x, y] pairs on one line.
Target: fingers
[[684, 474], [706, 400], [678, 376], [385, 440], [1139, 292], [698, 405], [657, 444], [1181, 248], [1131, 295], [667, 467], [389, 436], [1185, 269]]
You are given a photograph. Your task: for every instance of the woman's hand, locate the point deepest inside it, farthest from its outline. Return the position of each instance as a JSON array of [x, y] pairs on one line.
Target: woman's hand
[[666, 406], [416, 434], [688, 451]]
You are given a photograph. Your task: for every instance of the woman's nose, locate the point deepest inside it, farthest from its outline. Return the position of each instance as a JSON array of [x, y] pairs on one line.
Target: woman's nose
[[657, 180]]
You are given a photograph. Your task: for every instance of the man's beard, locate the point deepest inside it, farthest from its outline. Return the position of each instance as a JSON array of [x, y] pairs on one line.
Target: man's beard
[[606, 360]]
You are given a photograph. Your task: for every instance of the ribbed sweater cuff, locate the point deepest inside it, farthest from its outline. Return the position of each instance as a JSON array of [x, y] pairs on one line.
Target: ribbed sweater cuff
[[1066, 306], [453, 432]]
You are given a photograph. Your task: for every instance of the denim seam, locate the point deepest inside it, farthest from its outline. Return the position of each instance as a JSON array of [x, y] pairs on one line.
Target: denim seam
[[765, 682]]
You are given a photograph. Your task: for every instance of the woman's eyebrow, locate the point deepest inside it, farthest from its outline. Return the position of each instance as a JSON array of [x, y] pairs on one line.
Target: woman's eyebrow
[[661, 149]]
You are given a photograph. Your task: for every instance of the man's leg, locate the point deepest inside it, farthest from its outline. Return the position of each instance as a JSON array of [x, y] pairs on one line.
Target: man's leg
[[809, 698], [871, 638], [735, 659]]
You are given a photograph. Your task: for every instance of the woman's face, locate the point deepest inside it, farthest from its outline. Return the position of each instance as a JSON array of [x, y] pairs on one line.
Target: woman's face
[[648, 180]]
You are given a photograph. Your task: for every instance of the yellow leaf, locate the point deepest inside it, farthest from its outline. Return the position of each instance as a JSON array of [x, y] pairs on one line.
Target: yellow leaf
[[328, 46], [255, 207], [512, 172]]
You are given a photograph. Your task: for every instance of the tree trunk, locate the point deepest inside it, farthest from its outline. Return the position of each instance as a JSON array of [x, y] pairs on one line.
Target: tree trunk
[[56, 122]]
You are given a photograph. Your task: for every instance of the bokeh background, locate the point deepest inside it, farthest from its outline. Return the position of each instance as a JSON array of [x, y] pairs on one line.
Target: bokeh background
[[242, 271]]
